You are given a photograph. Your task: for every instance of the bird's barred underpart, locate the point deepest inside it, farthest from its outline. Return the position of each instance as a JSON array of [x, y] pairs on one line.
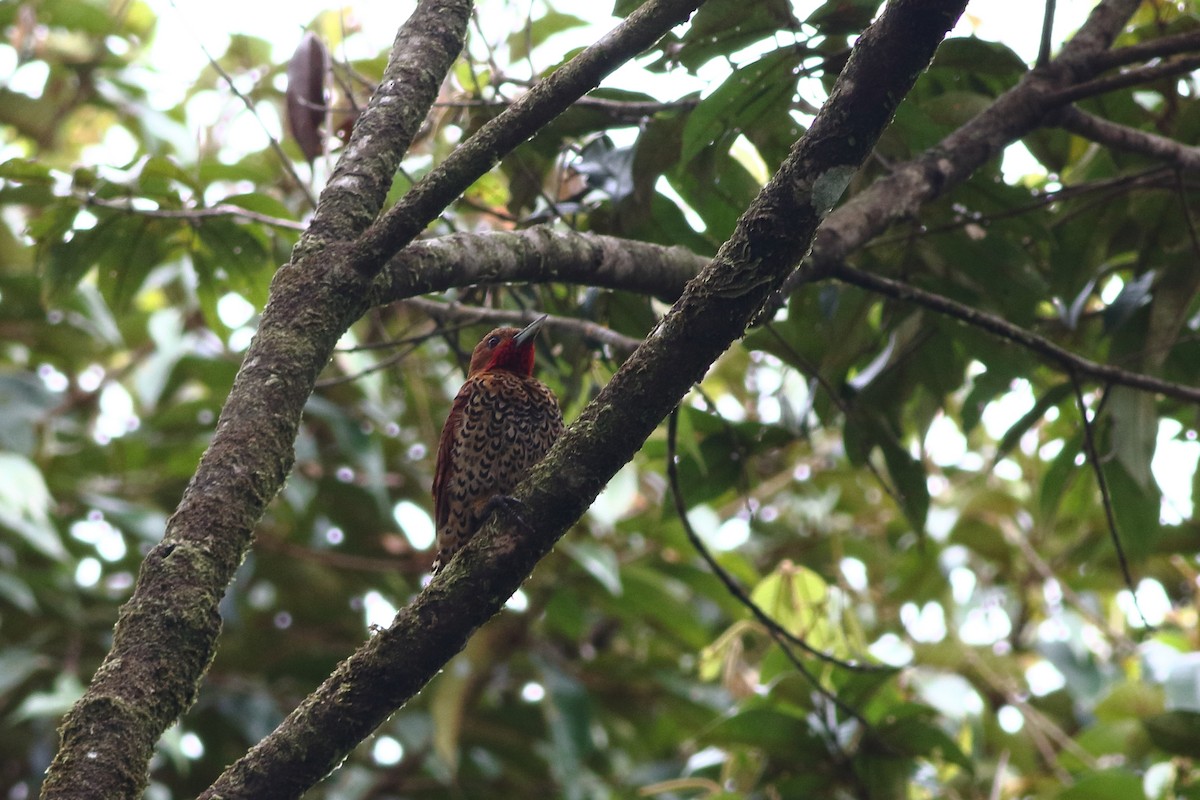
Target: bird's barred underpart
[[503, 421]]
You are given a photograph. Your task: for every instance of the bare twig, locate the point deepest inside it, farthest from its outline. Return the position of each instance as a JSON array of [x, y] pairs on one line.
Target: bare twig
[[1072, 363], [1013, 536], [413, 564], [1123, 80], [276, 148], [469, 315], [782, 636], [1093, 457], [1147, 51], [1044, 731], [1043, 56], [220, 210]]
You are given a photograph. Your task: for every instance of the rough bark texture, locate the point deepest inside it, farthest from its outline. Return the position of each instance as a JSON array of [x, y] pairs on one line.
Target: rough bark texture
[[770, 239], [166, 634], [536, 255]]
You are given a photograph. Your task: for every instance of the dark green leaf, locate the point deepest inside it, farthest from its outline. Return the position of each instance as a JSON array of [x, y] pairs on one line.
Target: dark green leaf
[[740, 102]]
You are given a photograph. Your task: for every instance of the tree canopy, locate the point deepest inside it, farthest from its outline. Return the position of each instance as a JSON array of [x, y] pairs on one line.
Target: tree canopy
[[924, 531]]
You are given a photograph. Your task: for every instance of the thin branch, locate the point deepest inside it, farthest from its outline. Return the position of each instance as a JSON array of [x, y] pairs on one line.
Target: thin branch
[[219, 210], [535, 255], [1105, 189], [1069, 362], [470, 315], [774, 629], [1123, 137], [466, 316], [276, 148], [1041, 727], [1043, 56], [413, 564], [541, 254], [1093, 458], [782, 636], [1149, 50], [409, 345], [1124, 80], [1030, 553]]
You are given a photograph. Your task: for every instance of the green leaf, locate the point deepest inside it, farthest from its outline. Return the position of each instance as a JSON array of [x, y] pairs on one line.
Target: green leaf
[[1049, 399], [722, 27], [237, 251], [17, 593], [970, 54], [447, 707], [1177, 732], [52, 704], [798, 599], [260, 203], [16, 665], [765, 728], [1134, 432], [25, 402], [158, 176], [1058, 477], [908, 475], [914, 732], [598, 561], [738, 103], [1136, 510], [122, 247], [843, 16], [24, 170], [1109, 784], [25, 505], [522, 43]]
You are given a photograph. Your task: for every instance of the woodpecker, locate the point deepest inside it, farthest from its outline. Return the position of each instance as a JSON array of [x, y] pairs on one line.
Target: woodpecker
[[502, 422]]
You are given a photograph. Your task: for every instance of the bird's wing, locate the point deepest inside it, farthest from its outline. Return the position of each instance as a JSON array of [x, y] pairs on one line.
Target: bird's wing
[[445, 454]]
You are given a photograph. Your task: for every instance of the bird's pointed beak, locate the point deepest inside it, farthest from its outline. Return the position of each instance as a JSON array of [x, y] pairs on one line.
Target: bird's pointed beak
[[527, 333]]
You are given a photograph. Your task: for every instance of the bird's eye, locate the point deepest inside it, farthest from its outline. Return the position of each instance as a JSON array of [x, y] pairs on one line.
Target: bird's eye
[[493, 341]]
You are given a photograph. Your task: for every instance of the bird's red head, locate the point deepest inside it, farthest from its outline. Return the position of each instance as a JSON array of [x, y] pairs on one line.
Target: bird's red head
[[507, 348]]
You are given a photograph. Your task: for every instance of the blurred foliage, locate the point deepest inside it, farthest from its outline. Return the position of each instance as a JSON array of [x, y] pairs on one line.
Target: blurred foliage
[[895, 487]]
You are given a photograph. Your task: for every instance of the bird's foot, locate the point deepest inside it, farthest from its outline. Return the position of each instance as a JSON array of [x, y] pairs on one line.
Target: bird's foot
[[511, 507]]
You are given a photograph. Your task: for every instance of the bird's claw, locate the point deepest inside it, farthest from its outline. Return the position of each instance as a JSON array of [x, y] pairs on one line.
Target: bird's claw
[[509, 505]]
